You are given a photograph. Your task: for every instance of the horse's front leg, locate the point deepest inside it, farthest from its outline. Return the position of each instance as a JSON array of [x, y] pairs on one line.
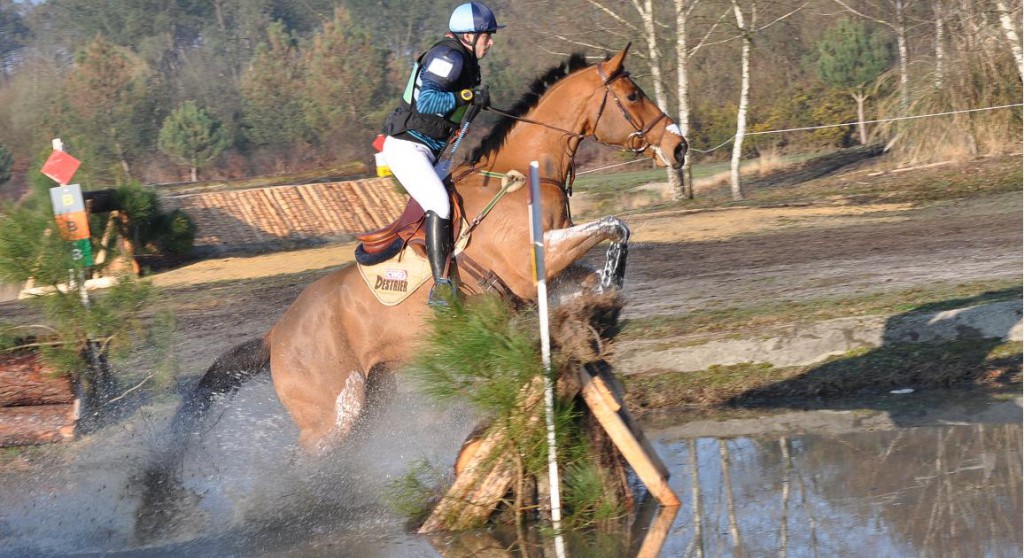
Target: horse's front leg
[[563, 247]]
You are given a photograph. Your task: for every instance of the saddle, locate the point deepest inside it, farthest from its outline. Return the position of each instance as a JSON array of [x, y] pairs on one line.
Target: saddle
[[408, 230]]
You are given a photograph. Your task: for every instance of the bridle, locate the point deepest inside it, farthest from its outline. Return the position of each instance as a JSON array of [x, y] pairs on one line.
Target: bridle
[[639, 131], [637, 142]]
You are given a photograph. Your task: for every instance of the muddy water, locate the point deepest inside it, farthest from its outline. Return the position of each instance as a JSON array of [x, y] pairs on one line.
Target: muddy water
[[939, 480]]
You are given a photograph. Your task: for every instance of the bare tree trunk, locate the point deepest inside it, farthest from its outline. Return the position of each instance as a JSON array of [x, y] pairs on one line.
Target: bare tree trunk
[[741, 112], [901, 47], [1012, 37], [940, 46], [646, 12], [683, 94], [120, 155], [860, 97]]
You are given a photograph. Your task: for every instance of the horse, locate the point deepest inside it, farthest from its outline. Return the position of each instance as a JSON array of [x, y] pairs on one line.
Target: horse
[[335, 336]]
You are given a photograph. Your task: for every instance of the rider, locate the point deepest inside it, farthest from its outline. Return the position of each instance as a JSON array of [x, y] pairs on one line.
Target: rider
[[444, 82]]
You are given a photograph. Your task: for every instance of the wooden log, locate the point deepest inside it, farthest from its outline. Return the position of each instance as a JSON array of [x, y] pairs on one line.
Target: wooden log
[[615, 390], [25, 380], [485, 477], [39, 424], [477, 491], [650, 470]]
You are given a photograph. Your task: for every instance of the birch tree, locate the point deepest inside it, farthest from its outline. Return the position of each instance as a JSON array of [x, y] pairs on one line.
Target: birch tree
[[747, 36], [746, 24], [645, 11], [1010, 29], [940, 42], [643, 20], [684, 11]]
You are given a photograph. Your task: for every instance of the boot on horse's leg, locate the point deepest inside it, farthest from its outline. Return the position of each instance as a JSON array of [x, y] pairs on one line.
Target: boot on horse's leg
[[439, 242]]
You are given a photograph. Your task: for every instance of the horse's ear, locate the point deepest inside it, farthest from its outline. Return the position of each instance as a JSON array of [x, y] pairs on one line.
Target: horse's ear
[[614, 64]]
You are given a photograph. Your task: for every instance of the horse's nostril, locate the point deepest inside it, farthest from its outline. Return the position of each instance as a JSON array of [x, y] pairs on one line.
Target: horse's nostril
[[680, 154]]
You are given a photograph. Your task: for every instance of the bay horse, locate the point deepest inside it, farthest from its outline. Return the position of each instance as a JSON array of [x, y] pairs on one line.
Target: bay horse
[[336, 334]]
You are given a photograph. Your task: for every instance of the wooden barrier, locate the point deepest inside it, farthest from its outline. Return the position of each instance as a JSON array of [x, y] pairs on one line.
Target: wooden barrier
[[487, 475], [35, 406]]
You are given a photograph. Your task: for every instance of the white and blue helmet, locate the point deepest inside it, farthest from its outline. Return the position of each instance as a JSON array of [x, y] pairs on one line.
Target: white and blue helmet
[[473, 17]]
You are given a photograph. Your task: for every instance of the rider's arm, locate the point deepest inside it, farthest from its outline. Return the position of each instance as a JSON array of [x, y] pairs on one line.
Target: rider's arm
[[434, 99], [441, 69]]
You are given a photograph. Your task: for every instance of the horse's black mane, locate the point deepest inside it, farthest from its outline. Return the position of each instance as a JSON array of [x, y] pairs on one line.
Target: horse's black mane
[[496, 138]]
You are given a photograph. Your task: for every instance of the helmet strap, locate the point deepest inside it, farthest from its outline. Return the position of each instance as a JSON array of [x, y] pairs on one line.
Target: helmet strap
[[470, 46]]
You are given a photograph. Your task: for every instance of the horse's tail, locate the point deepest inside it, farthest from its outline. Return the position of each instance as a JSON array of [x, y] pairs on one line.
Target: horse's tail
[[222, 378], [165, 503]]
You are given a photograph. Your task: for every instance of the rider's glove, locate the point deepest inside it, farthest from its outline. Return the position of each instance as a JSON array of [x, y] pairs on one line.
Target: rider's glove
[[482, 97], [464, 97]]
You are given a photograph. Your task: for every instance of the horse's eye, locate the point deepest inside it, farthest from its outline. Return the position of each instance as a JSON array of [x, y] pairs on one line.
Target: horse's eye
[[632, 97]]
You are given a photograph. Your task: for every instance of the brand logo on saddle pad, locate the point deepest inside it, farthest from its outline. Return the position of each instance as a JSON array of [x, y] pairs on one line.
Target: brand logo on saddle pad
[[396, 279], [393, 280]]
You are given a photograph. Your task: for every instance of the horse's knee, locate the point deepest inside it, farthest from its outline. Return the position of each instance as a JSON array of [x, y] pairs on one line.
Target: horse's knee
[[617, 229]]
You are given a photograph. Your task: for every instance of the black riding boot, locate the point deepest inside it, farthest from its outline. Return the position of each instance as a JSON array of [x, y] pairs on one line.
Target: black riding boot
[[439, 241]]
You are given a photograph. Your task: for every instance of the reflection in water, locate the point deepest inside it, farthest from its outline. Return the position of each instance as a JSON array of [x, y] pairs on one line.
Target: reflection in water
[[920, 489], [927, 491]]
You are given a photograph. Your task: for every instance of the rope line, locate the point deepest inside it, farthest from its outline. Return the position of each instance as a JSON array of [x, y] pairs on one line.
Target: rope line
[[805, 128], [856, 122]]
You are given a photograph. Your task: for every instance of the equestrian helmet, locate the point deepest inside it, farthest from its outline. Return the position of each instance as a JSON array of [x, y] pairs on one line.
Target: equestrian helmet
[[473, 17]]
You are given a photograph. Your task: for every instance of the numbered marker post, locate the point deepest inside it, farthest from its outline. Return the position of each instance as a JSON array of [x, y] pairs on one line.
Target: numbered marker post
[[72, 220], [68, 205]]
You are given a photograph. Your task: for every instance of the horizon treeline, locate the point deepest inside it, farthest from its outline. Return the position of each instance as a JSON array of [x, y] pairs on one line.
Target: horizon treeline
[[164, 91]]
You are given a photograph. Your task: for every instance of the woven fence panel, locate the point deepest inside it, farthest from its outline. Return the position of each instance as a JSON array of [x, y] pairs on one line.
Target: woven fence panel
[[282, 214]]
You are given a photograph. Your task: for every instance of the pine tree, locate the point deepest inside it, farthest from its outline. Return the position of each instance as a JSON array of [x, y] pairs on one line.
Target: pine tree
[[271, 99], [851, 57], [346, 82], [192, 137], [105, 110]]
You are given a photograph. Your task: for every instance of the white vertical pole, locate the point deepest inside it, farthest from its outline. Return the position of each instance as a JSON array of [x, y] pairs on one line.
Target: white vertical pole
[[540, 276]]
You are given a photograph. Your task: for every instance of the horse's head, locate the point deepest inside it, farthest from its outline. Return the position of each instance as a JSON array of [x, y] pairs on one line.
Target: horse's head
[[627, 117]]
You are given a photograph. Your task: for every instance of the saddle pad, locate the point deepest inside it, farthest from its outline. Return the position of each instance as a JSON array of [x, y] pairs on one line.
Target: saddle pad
[[394, 280]]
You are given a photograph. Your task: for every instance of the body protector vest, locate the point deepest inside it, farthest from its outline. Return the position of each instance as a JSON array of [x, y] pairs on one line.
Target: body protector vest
[[449, 65]]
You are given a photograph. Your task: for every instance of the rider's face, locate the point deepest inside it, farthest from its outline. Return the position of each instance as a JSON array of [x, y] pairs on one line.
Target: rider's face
[[484, 42]]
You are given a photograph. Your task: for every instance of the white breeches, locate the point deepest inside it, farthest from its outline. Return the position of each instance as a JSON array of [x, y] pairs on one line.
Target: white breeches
[[413, 165]]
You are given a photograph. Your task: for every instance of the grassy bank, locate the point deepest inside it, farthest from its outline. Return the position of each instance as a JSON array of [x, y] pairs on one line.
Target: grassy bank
[[874, 180], [987, 364], [739, 319]]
